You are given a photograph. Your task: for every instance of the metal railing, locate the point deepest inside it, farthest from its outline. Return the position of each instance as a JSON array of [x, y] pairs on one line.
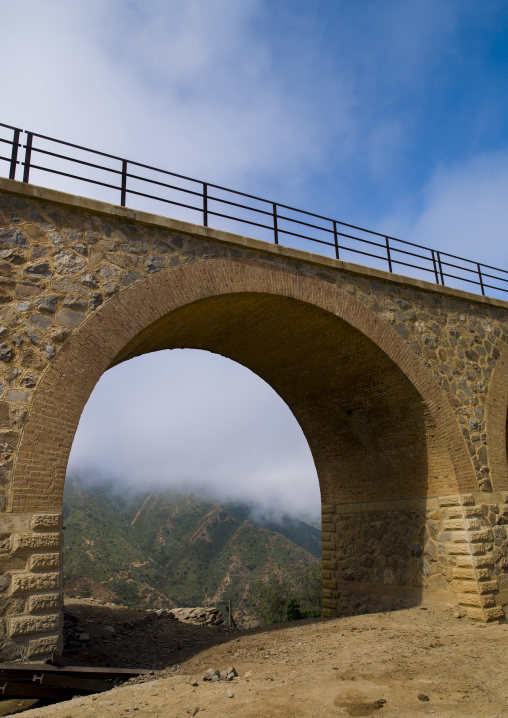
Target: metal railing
[[134, 179]]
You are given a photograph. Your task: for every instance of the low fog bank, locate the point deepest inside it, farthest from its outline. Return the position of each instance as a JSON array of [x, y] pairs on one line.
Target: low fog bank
[[194, 422], [260, 511]]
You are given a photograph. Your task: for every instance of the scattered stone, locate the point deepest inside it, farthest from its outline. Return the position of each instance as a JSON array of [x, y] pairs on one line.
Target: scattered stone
[[423, 697], [229, 674], [211, 674], [199, 616], [230, 694]]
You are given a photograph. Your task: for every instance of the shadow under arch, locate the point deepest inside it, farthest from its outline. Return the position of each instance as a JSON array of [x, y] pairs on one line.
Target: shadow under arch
[[381, 432], [496, 424]]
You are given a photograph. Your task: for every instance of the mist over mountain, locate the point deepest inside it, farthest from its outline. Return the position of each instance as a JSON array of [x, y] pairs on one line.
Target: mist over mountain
[[165, 548]]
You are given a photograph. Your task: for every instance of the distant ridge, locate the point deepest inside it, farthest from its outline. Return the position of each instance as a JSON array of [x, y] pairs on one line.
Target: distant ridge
[[163, 548]]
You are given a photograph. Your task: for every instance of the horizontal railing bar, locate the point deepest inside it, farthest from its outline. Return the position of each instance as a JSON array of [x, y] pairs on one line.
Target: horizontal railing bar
[[164, 184], [8, 159], [8, 142], [497, 289], [10, 127], [74, 159], [472, 271], [239, 219], [492, 276], [241, 206], [66, 174], [77, 147], [167, 201]]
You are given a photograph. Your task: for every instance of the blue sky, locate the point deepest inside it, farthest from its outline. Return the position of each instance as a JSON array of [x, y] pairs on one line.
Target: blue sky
[[390, 114]]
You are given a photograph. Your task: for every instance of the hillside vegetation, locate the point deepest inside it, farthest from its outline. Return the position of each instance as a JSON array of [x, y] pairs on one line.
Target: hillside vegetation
[[167, 549]]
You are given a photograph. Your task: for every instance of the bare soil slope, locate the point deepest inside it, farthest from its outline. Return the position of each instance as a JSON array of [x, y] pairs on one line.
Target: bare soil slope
[[415, 662]]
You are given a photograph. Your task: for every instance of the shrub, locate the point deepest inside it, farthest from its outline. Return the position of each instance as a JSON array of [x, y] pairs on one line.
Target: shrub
[[287, 594]]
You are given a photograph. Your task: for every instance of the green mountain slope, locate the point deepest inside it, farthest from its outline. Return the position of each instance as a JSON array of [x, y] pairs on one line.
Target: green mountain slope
[[164, 548]]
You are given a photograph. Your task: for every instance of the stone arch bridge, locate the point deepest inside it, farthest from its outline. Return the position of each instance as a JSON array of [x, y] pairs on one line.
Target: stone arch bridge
[[400, 387]]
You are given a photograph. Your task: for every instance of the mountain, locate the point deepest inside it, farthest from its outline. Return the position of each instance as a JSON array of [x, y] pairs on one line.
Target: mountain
[[167, 549]]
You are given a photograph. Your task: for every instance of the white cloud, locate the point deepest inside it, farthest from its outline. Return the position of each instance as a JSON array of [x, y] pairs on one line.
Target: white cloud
[[189, 419], [463, 211]]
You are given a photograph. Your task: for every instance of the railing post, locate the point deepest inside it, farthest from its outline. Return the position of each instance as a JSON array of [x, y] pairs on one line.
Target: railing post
[[205, 204], [435, 266], [336, 239], [14, 155], [28, 155], [124, 183], [481, 279], [388, 254], [440, 267], [275, 229]]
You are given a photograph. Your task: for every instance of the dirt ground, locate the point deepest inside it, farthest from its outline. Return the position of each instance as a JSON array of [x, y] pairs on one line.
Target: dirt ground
[[414, 662]]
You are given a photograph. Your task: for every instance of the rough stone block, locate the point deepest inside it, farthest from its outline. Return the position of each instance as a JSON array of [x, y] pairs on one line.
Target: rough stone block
[[328, 593], [484, 535], [468, 500], [44, 603], [45, 561], [476, 614], [5, 544], [459, 537], [458, 548], [467, 574], [473, 511], [473, 524], [483, 574], [329, 603], [464, 561], [488, 586], [34, 542], [449, 501], [43, 646], [488, 600], [330, 584], [11, 605], [31, 582], [492, 614], [453, 525], [8, 562], [25, 625], [455, 512], [477, 548], [470, 599], [330, 565], [46, 522], [468, 587], [483, 561], [15, 522]]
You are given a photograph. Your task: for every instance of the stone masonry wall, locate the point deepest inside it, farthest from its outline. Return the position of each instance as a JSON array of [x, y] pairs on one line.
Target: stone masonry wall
[[453, 545], [30, 585], [60, 264], [62, 259]]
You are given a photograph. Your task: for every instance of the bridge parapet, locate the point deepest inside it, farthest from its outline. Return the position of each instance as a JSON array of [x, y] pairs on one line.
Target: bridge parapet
[[390, 378]]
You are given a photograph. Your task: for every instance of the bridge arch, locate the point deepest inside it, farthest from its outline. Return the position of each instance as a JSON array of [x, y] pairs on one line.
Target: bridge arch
[[345, 374]]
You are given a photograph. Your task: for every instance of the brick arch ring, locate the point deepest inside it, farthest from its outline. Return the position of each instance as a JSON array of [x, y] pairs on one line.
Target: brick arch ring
[[64, 389], [496, 419]]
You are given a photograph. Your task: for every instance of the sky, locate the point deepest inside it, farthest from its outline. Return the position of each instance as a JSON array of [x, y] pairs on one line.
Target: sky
[[391, 115]]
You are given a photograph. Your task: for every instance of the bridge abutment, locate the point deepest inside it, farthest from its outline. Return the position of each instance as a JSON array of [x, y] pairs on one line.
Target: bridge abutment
[[400, 388]]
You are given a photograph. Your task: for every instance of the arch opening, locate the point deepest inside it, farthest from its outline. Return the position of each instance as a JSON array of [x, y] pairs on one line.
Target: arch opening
[[196, 513]]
